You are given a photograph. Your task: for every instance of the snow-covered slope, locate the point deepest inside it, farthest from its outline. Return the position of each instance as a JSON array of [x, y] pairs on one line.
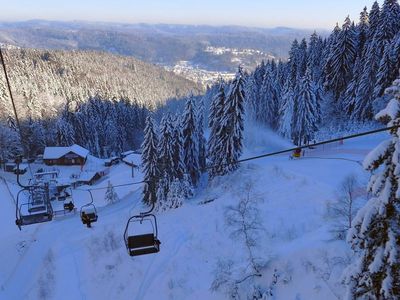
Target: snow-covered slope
[[65, 260]]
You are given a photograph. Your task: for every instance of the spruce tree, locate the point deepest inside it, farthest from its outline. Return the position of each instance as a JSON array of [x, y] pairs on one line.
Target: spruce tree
[[375, 235], [286, 112], [165, 147], [374, 19], [150, 162], [177, 148], [305, 123], [341, 60], [201, 138], [110, 196], [362, 30], [214, 150], [191, 140], [363, 108], [271, 100], [230, 134], [385, 72]]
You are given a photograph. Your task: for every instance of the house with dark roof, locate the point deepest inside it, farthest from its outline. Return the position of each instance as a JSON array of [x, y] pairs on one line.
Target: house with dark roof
[[73, 155]]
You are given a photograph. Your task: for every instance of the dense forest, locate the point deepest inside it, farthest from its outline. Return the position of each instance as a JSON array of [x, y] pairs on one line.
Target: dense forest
[[52, 87]]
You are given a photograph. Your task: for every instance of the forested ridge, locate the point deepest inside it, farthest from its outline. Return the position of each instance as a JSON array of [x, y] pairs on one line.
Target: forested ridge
[[53, 88], [43, 77]]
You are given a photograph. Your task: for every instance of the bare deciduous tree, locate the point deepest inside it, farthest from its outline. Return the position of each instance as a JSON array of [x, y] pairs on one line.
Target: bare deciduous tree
[[343, 211]]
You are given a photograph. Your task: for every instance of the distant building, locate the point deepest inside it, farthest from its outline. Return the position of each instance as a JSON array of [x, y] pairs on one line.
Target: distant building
[[73, 155]]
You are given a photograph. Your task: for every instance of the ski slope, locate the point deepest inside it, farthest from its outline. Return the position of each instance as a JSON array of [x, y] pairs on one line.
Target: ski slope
[[65, 260]]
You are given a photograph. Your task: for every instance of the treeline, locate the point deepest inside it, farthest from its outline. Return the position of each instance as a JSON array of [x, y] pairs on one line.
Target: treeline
[[44, 80], [175, 154], [51, 90]]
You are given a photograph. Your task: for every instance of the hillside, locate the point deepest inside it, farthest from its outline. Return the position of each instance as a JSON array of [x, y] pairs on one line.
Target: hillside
[[199, 249], [43, 80]]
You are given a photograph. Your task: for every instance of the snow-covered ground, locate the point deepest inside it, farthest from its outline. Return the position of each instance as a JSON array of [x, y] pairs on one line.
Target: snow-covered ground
[[65, 260]]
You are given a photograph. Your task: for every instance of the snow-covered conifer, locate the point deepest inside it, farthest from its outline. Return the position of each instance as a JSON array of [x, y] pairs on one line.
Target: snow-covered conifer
[[270, 98], [111, 196], [177, 148], [232, 125], [305, 123], [375, 232], [286, 112], [150, 162], [214, 142], [191, 140], [341, 60], [165, 147], [201, 138]]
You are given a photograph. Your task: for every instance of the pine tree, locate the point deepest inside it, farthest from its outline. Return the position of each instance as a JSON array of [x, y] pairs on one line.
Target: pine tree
[[362, 30], [187, 190], [363, 109], [385, 72], [10, 145], [150, 162], [177, 148], [374, 19], [314, 57], [286, 112], [348, 101], [293, 62], [230, 134], [306, 120], [375, 235], [214, 150], [341, 60], [201, 138], [162, 192], [111, 196], [271, 100], [65, 133], [165, 148], [302, 59], [191, 140], [389, 23], [175, 196]]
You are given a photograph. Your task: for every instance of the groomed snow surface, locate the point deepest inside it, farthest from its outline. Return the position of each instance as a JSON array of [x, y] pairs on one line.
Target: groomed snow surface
[[65, 260]]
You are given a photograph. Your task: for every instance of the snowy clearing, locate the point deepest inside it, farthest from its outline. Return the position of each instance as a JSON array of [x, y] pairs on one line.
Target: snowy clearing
[[65, 260]]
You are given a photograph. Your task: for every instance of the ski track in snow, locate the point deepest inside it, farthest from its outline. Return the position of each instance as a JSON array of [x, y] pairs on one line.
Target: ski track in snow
[[151, 275]]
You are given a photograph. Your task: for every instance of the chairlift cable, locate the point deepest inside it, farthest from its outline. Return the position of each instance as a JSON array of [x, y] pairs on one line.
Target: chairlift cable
[[289, 150], [12, 99]]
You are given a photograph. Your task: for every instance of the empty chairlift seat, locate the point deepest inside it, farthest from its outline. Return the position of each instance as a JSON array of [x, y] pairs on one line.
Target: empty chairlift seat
[[138, 243]]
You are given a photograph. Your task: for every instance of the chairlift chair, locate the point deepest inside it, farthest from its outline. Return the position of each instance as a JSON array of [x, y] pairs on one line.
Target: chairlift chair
[[140, 244], [90, 210], [34, 211]]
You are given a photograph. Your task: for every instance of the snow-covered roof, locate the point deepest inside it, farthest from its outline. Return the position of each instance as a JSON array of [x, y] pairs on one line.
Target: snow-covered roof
[[86, 176], [57, 152], [133, 158]]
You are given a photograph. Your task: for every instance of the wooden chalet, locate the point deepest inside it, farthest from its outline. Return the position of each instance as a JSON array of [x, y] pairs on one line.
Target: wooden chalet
[[65, 156]]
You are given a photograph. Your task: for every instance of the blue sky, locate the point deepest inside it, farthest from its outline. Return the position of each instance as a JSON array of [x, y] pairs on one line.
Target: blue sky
[[262, 13]]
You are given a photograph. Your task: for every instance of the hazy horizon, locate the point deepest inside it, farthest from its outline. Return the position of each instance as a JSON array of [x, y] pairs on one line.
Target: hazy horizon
[[310, 14]]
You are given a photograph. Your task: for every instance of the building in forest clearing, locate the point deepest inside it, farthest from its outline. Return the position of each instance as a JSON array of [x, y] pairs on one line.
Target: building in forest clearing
[[73, 155]]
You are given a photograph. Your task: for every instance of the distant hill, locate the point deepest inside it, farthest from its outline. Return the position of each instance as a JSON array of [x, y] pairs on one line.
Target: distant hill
[[161, 44], [43, 80]]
